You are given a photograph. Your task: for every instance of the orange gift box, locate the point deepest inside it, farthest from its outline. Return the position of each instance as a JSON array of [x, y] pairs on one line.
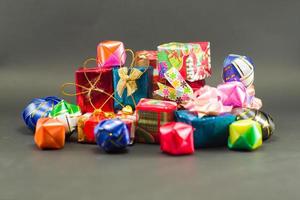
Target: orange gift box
[[49, 134], [110, 53]]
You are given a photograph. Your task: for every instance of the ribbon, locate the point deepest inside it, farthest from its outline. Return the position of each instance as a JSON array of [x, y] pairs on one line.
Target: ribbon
[[214, 101], [181, 90], [128, 81]]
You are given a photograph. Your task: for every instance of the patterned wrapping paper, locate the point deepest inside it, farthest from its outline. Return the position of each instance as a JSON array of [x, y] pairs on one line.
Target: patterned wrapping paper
[[176, 138], [210, 131], [94, 89], [131, 85], [112, 135], [111, 53], [66, 113], [264, 119], [245, 135], [38, 108], [238, 68], [192, 60], [49, 134], [151, 115]]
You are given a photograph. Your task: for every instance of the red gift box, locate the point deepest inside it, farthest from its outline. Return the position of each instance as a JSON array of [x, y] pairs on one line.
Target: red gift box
[[152, 114], [177, 138], [94, 89]]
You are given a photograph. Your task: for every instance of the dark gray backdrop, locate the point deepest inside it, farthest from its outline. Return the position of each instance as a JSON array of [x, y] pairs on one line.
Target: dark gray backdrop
[[43, 42]]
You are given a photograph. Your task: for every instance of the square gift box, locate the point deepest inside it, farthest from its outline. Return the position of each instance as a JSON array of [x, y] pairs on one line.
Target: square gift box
[[151, 115]]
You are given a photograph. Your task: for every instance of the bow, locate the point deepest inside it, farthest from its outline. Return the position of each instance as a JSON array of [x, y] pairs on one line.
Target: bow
[[128, 81]]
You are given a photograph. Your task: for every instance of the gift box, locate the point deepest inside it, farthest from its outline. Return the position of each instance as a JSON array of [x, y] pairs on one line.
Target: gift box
[[81, 137], [176, 138], [94, 89], [129, 118], [111, 53], [66, 113], [192, 60], [131, 84], [112, 135], [210, 131], [49, 134], [87, 131], [151, 115], [38, 108], [148, 58], [245, 135], [264, 119]]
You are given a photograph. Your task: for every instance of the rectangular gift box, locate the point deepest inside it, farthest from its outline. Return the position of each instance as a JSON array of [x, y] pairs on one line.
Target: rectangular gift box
[[210, 131], [152, 114], [93, 88], [143, 83], [192, 60]]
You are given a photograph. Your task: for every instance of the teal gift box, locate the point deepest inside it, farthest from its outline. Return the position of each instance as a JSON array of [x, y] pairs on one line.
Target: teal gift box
[[209, 131], [131, 84]]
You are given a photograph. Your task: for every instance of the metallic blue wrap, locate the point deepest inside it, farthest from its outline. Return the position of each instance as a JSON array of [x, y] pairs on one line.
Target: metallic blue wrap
[[37, 108], [237, 71], [144, 88], [112, 135], [210, 131]]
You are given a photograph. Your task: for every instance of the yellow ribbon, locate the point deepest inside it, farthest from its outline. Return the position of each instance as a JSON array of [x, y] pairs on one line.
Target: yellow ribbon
[[128, 80]]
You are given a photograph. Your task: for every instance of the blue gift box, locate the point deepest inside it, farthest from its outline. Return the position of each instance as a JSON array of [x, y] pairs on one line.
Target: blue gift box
[[210, 131], [144, 88]]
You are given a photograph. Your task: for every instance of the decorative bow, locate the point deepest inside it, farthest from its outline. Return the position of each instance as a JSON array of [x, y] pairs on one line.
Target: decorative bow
[[128, 81]]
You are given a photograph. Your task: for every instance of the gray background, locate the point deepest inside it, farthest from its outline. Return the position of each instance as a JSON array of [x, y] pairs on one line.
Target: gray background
[[43, 42]]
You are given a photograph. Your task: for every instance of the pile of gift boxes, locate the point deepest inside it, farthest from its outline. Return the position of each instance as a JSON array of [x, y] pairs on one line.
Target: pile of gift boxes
[[154, 97]]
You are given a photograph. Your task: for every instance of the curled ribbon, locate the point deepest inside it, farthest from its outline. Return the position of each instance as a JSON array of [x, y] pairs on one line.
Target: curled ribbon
[[128, 81]]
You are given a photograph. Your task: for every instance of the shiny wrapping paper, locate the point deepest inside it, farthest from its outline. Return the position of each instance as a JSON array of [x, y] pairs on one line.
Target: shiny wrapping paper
[[81, 137], [264, 119], [210, 131], [245, 135], [238, 68], [94, 89], [176, 138], [129, 118], [152, 114], [66, 113], [38, 108], [112, 135], [110, 53], [192, 60], [49, 134], [91, 123], [131, 84]]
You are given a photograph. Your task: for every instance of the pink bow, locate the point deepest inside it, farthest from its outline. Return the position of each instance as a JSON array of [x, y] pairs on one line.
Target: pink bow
[[214, 101]]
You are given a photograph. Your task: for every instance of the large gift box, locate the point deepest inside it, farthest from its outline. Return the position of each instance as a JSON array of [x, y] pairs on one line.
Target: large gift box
[[152, 114], [131, 84], [192, 60], [210, 131], [94, 89]]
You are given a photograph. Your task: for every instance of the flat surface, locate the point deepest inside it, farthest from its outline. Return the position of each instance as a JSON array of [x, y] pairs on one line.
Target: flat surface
[[44, 42]]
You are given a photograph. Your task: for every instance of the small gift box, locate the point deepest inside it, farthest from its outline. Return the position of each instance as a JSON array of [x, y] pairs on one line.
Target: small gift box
[[112, 135], [192, 60], [91, 123], [94, 89], [152, 114], [131, 84], [81, 137], [66, 113], [49, 134], [176, 138], [210, 131], [264, 119], [111, 53], [129, 118], [245, 135]]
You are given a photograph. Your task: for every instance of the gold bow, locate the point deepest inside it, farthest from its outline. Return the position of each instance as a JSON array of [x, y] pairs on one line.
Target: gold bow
[[128, 81]]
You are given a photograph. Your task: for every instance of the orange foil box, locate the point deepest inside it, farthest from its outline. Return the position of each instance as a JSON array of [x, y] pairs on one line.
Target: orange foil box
[[110, 54], [49, 134]]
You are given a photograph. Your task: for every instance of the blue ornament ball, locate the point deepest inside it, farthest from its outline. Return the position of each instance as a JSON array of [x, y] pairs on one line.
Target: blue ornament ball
[[38, 108], [112, 135]]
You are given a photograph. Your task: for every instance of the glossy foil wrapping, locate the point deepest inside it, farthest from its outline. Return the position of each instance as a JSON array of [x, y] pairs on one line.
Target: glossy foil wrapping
[[111, 53]]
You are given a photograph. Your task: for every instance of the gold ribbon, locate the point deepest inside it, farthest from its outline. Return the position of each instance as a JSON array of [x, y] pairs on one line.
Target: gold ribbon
[[128, 80]]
